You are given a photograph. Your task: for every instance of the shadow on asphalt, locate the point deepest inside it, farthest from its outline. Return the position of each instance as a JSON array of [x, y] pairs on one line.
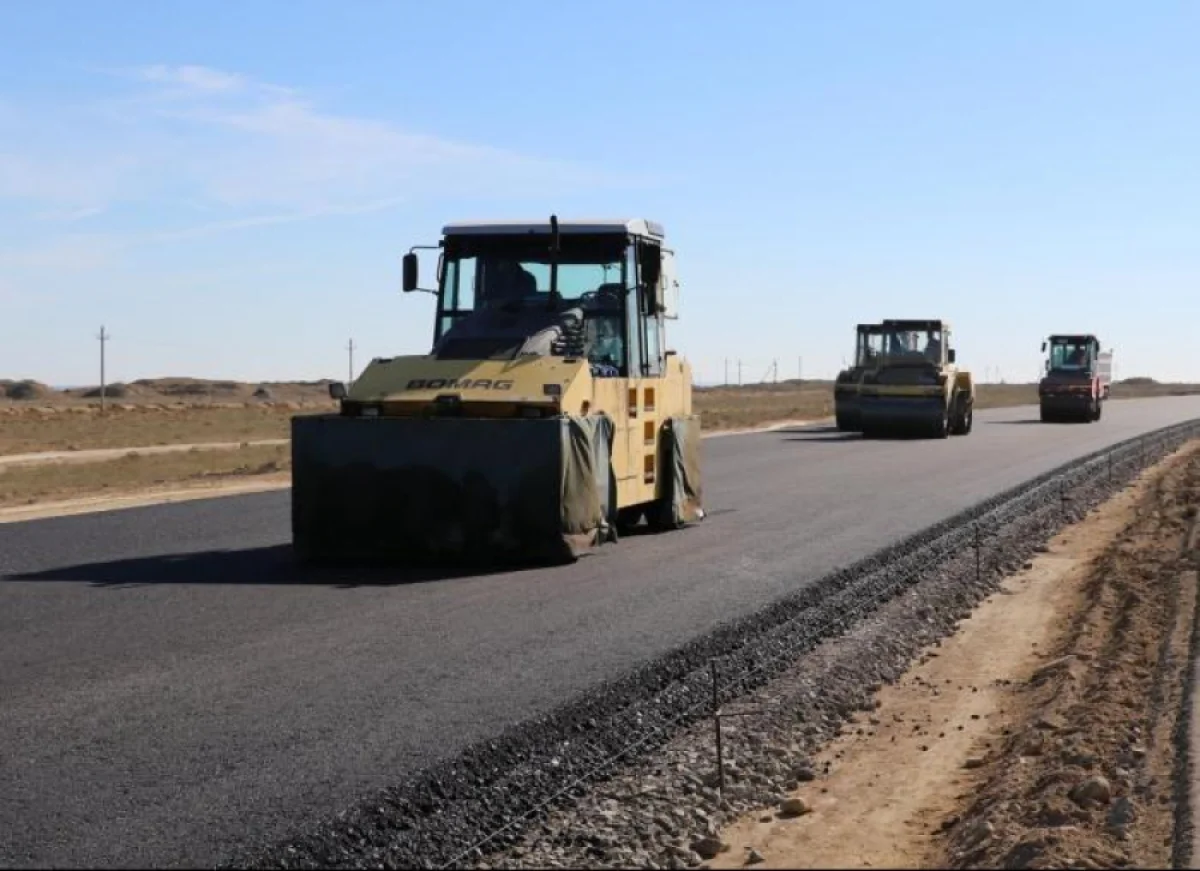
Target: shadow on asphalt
[[806, 430], [277, 565], [857, 438], [834, 436], [1032, 421], [274, 565]]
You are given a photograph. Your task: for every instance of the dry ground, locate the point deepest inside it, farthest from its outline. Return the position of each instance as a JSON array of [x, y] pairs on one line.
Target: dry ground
[[1042, 734], [132, 472], [184, 411]]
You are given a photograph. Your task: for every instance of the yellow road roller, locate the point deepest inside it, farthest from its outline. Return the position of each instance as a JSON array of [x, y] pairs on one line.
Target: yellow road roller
[[916, 386], [547, 418]]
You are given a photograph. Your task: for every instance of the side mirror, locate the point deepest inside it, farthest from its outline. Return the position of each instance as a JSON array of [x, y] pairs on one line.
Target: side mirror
[[337, 390], [950, 355], [1043, 347], [410, 271]]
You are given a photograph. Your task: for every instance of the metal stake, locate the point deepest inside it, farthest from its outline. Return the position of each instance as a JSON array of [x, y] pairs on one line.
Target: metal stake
[[717, 729], [978, 554]]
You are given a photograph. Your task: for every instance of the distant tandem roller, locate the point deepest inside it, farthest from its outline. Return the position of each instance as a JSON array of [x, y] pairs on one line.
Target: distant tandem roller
[[905, 380]]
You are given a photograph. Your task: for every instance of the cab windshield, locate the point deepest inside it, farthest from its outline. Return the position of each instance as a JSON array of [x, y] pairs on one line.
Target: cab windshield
[[1068, 355], [912, 345], [514, 272], [511, 273]]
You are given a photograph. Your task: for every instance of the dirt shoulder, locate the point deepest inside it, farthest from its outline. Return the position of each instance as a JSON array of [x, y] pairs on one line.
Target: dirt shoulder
[[48, 488], [1041, 734]]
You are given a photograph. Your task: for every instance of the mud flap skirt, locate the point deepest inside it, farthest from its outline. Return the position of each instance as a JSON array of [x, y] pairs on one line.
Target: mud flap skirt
[[681, 447], [450, 489]]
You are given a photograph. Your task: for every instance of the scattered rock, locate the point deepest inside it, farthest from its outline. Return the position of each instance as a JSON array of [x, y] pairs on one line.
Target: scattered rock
[[754, 857], [709, 847], [1094, 790], [1121, 815], [794, 807]]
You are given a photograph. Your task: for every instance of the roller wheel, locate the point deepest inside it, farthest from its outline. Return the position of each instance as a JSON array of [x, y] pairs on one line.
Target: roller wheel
[[662, 515], [941, 427], [628, 519], [964, 420]]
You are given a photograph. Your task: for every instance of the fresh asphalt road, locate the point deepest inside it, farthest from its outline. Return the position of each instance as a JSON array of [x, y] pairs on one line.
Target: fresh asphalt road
[[174, 690]]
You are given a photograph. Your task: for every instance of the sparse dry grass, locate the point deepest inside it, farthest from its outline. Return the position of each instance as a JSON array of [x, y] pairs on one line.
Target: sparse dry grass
[[68, 423], [69, 427], [82, 428], [26, 485]]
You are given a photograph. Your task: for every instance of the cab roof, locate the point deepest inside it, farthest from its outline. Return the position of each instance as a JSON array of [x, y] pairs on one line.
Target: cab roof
[[623, 226], [921, 324]]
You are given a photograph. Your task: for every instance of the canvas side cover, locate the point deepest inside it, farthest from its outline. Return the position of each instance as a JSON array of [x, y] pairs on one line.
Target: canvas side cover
[[682, 458], [589, 486], [449, 488]]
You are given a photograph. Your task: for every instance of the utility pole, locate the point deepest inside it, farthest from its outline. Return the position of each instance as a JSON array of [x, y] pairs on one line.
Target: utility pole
[[726, 371], [103, 337], [350, 348], [739, 373], [800, 370]]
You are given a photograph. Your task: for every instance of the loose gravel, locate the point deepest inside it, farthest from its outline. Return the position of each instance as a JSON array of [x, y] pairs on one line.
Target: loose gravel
[[626, 775]]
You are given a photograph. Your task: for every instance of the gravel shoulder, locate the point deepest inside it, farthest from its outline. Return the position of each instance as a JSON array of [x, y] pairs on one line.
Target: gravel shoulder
[[896, 774], [1028, 720]]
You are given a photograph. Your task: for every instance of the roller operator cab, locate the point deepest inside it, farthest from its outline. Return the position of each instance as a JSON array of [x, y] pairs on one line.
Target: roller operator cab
[[547, 415], [1077, 380], [915, 385], [867, 345]]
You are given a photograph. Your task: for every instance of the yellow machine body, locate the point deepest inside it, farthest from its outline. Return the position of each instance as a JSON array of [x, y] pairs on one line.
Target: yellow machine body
[[513, 436], [916, 390]]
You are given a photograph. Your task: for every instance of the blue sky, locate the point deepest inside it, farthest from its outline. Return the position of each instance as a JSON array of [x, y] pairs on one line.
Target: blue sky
[[230, 190]]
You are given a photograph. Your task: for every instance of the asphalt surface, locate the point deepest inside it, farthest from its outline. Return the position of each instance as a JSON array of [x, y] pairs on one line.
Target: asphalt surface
[[174, 689]]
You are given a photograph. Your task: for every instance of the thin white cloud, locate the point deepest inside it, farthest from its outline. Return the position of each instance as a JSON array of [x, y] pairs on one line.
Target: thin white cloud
[[217, 227], [196, 78], [70, 216], [189, 139], [77, 252]]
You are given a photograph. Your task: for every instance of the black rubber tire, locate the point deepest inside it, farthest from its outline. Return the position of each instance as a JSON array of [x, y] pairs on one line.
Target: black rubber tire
[[942, 426], [628, 518], [1099, 409], [966, 419], [661, 515]]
